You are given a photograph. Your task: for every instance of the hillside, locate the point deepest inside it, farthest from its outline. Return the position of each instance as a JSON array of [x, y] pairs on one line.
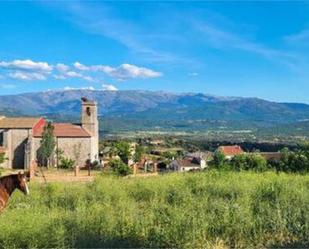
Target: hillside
[[156, 105], [145, 110]]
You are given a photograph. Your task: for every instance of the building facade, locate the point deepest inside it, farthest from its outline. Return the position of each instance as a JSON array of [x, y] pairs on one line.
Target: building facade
[[20, 138]]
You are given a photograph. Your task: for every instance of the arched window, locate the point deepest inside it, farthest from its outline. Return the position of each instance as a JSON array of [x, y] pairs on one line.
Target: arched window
[[88, 111]]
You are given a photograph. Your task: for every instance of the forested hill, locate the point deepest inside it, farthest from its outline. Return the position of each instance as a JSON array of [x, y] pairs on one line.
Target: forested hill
[[155, 106]]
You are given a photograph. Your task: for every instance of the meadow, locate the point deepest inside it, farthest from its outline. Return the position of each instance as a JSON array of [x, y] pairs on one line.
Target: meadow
[[212, 209]]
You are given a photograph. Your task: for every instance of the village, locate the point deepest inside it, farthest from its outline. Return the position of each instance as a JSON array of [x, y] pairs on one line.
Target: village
[[24, 145]]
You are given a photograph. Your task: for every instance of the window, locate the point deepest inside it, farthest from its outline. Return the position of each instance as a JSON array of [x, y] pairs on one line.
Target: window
[[88, 111], [1, 138]]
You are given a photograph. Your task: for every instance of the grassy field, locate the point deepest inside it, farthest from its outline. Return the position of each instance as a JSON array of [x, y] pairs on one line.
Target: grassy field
[[200, 210]]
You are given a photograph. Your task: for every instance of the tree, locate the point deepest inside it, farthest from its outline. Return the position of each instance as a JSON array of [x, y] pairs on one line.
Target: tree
[[123, 151], [218, 159], [66, 163], [119, 167], [249, 162], [77, 152], [2, 158], [48, 143], [139, 151]]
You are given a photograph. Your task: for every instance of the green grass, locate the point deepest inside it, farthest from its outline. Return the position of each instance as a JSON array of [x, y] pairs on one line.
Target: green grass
[[200, 210]]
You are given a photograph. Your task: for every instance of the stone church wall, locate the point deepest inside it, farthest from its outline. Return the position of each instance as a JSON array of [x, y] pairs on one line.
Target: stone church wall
[[19, 138], [69, 146]]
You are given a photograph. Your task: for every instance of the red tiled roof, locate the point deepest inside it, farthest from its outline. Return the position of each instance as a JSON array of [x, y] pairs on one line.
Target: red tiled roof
[[19, 123], [64, 130], [231, 150]]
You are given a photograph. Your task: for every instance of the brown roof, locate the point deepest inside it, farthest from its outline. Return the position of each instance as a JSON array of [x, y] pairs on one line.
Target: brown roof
[[18, 123], [64, 130], [231, 150]]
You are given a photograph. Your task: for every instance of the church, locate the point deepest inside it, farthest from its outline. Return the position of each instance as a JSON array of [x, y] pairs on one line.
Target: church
[[20, 138]]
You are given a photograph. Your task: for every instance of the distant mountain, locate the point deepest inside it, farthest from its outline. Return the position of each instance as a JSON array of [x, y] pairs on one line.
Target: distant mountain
[[154, 106]]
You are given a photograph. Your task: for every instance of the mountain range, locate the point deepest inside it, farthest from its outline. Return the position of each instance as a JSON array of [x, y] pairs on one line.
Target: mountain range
[[156, 107]]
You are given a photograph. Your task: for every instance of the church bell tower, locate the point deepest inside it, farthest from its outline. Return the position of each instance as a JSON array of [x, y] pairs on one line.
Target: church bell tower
[[90, 123]]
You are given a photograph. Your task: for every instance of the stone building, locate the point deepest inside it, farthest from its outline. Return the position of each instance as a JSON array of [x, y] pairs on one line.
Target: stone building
[[20, 138]]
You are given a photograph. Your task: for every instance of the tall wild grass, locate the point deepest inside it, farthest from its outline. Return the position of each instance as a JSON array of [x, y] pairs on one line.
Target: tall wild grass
[[200, 210]]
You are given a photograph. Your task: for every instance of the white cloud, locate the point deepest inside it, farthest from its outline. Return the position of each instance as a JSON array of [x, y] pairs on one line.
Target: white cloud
[[80, 66], [19, 75], [62, 67], [68, 88], [30, 70], [107, 87], [88, 78], [59, 77], [27, 65], [102, 68], [73, 74], [128, 71], [123, 72], [26, 69]]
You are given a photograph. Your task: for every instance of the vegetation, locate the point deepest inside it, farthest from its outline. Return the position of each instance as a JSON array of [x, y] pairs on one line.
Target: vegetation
[[139, 151], [193, 210], [2, 157], [119, 167], [123, 151], [48, 143], [66, 163], [293, 161], [249, 162]]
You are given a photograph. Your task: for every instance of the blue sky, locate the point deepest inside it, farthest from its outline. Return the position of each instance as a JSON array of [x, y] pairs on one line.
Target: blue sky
[[257, 49]]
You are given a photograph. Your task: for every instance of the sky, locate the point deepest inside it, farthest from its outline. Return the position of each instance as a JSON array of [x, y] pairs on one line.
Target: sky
[[225, 48]]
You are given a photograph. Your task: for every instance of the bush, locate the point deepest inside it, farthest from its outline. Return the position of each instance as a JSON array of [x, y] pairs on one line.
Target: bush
[[2, 158], [123, 151], [292, 161], [219, 161], [119, 167], [66, 163], [249, 162]]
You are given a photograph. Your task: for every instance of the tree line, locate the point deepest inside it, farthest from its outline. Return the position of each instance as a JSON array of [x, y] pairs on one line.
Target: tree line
[[291, 161]]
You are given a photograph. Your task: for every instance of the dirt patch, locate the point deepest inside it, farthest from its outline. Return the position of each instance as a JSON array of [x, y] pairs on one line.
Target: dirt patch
[[63, 176]]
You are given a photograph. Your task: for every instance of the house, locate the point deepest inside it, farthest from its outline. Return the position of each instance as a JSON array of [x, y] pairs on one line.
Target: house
[[201, 155], [230, 151], [188, 164], [20, 138]]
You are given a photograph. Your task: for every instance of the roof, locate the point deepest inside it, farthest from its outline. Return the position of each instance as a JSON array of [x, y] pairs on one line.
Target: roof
[[200, 154], [187, 163], [231, 150], [18, 123], [64, 130]]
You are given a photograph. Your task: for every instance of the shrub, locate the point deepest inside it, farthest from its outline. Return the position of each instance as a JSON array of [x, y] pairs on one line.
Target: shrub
[[218, 160], [66, 163], [123, 151], [120, 168], [249, 162], [2, 158]]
